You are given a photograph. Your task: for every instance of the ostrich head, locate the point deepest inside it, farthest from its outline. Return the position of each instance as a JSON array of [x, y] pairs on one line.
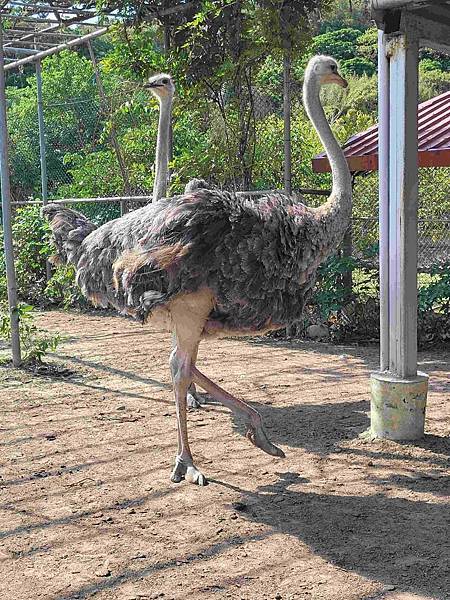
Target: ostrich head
[[324, 69], [161, 86]]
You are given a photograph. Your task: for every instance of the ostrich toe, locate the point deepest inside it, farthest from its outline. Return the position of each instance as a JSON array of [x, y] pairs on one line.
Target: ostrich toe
[[258, 438], [188, 472], [195, 399]]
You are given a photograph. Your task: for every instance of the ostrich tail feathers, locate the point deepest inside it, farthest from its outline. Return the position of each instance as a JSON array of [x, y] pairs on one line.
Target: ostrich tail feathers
[[69, 228]]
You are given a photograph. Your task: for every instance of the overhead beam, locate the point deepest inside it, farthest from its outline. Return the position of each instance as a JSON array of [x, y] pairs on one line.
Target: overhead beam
[[11, 50], [56, 49], [435, 34]]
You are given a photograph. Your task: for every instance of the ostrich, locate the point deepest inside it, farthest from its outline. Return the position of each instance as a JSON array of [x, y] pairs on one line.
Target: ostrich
[[210, 264], [163, 88]]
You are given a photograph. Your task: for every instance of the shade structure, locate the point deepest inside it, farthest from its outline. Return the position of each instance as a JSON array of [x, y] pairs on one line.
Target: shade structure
[[433, 122]]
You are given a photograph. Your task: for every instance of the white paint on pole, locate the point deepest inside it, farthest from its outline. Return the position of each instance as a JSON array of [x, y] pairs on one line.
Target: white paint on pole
[[403, 204], [383, 169], [6, 211]]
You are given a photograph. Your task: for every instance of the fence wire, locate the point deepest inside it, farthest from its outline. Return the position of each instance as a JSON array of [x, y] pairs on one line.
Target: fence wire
[[433, 219], [95, 149]]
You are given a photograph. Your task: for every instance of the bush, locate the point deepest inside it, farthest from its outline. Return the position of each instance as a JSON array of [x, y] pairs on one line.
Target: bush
[[35, 343], [31, 248], [340, 44], [62, 289]]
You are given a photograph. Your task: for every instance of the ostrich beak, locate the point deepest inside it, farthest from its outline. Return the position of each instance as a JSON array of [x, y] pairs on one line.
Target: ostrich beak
[[335, 78], [149, 85]]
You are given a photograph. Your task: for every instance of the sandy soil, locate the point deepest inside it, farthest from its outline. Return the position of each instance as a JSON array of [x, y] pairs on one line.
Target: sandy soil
[[87, 508]]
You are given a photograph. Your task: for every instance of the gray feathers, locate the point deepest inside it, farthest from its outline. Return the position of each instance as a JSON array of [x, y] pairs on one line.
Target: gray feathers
[[258, 258]]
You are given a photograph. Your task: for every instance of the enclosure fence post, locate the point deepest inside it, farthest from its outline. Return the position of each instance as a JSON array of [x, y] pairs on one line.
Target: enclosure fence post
[[113, 136], [6, 211], [42, 148], [287, 122]]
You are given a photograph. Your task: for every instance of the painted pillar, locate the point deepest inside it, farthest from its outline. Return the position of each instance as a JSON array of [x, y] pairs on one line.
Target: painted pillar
[[399, 392], [6, 212]]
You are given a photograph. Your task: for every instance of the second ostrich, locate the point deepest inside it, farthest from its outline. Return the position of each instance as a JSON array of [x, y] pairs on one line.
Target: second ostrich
[[211, 264]]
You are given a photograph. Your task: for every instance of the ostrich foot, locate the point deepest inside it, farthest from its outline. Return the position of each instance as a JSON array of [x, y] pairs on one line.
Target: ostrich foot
[[255, 429], [258, 437], [190, 473], [194, 398]]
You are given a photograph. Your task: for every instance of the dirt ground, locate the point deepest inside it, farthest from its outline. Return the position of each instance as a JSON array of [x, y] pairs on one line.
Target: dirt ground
[[87, 509]]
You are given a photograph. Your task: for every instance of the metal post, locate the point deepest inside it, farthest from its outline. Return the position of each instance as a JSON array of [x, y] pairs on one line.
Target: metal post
[[403, 202], [383, 170], [399, 393], [6, 210], [113, 137], [287, 123], [42, 144], [42, 148]]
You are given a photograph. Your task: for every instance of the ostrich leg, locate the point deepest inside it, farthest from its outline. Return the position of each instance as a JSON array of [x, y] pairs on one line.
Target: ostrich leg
[[189, 314], [195, 399], [180, 365], [255, 428]]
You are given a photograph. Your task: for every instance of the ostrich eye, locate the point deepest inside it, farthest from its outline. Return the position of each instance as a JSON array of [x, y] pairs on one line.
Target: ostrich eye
[[334, 68], [165, 81]]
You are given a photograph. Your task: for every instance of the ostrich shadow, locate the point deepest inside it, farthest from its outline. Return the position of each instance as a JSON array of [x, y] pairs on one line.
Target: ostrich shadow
[[390, 540]]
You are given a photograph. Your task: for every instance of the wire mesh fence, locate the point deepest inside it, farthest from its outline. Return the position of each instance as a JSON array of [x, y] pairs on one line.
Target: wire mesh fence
[[433, 219], [104, 147]]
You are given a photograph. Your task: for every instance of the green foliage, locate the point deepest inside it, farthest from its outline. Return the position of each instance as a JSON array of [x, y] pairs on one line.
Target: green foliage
[[31, 248], [434, 295], [35, 343], [62, 289], [367, 45], [339, 16], [330, 295], [432, 83], [433, 60], [340, 44], [71, 117], [358, 66]]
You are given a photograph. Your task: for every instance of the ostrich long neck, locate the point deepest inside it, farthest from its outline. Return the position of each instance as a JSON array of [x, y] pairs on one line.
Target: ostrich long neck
[[162, 149], [339, 204]]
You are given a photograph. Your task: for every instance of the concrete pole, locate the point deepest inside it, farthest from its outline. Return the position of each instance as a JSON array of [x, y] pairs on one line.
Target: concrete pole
[[42, 148], [399, 394], [6, 210]]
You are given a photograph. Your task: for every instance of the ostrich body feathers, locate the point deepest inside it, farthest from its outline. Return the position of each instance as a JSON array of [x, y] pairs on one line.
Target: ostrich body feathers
[[257, 259]]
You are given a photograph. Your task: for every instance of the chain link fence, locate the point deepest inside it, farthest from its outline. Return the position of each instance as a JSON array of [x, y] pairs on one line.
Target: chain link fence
[[103, 147], [433, 219]]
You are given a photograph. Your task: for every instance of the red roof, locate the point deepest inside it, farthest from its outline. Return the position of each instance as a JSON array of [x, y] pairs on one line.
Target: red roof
[[361, 149]]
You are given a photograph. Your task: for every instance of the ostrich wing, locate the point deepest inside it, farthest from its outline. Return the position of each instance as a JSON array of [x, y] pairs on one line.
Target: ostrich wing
[[258, 259]]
